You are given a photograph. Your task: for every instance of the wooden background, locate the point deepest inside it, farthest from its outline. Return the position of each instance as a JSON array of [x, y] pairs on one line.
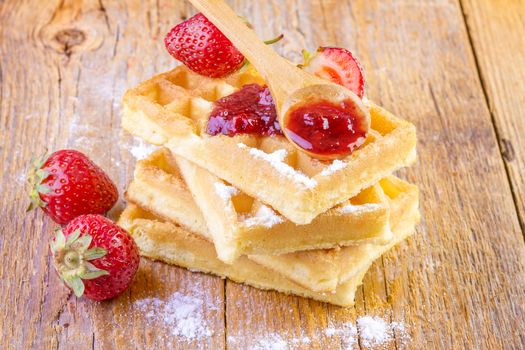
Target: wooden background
[[456, 68]]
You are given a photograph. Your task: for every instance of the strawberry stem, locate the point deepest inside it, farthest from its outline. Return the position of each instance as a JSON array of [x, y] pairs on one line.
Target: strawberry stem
[[35, 176], [307, 57], [267, 42], [274, 40], [72, 256], [72, 260]]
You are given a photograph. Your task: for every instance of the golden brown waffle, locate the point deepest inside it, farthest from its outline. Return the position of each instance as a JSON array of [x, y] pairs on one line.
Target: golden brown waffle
[[172, 109], [168, 242], [158, 188], [173, 244], [349, 261], [239, 224]]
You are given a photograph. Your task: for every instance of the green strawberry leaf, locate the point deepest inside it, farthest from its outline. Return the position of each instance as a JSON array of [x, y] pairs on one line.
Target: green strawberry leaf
[[32, 205], [93, 272], [95, 253], [35, 176], [72, 237], [76, 284], [84, 241], [52, 246], [71, 259], [60, 239], [41, 174], [42, 188]]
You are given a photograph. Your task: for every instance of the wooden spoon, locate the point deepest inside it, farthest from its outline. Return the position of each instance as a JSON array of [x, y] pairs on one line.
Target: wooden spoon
[[290, 86]]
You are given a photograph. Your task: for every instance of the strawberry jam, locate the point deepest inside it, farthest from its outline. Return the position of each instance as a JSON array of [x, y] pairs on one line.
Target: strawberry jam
[[248, 111], [325, 128]]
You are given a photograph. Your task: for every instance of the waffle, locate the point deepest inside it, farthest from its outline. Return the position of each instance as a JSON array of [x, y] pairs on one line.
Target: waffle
[[175, 245], [158, 189], [239, 224], [349, 261], [162, 240], [172, 109]]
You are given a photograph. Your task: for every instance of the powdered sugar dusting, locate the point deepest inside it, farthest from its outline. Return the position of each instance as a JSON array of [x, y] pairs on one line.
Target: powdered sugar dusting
[[224, 191], [140, 149], [401, 333], [265, 216], [347, 332], [276, 156], [353, 209], [276, 159], [272, 341], [181, 313], [373, 331], [332, 168]]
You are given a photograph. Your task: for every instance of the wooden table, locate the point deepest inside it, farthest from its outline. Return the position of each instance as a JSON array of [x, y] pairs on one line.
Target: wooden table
[[456, 68]]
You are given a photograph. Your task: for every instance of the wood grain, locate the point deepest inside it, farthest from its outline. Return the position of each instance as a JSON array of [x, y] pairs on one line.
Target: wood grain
[[456, 263], [457, 284], [496, 29], [77, 59]]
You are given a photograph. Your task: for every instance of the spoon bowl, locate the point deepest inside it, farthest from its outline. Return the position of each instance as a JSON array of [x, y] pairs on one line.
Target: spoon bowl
[[327, 94]]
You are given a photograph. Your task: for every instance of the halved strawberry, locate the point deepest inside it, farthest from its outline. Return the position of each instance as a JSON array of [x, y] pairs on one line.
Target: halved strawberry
[[337, 65]]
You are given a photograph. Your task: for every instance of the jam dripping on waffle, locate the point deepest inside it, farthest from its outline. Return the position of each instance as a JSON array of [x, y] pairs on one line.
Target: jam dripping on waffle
[[250, 110], [323, 127]]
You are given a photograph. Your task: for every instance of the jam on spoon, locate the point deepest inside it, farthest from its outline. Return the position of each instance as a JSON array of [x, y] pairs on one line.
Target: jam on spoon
[[325, 128]]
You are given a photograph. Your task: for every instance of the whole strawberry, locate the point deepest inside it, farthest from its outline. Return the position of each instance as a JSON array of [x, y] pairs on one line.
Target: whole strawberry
[[95, 257], [337, 65], [68, 184], [201, 46]]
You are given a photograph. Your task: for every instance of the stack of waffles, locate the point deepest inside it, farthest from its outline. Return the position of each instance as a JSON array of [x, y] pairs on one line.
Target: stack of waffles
[[255, 209]]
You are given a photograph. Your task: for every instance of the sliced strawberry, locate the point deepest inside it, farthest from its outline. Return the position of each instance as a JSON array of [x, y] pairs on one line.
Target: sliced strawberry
[[339, 66]]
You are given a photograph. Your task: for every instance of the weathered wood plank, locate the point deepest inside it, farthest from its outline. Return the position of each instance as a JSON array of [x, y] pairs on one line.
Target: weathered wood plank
[[496, 29], [419, 65], [64, 69], [458, 284]]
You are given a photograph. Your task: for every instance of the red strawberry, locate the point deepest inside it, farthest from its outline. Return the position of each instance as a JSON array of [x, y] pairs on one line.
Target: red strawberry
[[69, 184], [201, 46], [337, 65], [95, 257]]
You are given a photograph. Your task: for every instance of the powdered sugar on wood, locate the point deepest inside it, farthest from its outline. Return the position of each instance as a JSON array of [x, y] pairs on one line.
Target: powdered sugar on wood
[[181, 314]]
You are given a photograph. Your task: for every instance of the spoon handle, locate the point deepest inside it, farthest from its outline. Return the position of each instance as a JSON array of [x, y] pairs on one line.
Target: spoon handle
[[283, 76]]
